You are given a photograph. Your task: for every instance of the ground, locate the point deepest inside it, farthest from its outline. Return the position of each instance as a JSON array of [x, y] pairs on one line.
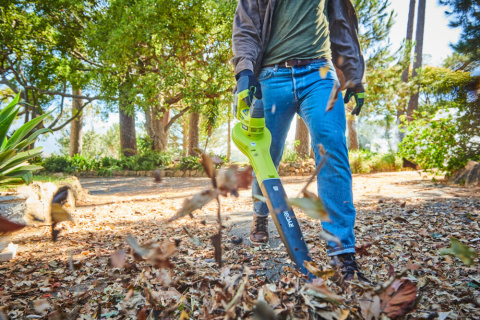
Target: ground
[[403, 220]]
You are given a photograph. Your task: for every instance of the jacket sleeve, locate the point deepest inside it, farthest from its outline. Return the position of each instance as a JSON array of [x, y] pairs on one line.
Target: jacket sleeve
[[346, 52], [246, 37]]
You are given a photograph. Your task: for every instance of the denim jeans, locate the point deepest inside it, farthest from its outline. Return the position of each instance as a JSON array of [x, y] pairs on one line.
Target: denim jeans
[[303, 90]]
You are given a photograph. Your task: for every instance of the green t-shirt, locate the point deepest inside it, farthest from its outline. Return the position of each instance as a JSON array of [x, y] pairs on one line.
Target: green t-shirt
[[299, 31]]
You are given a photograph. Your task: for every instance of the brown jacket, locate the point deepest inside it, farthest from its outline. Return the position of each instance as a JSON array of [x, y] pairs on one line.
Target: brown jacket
[[251, 33]]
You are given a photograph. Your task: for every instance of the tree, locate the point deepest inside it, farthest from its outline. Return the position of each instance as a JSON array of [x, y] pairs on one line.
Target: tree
[[302, 136], [193, 133], [466, 15], [175, 52], [76, 137], [42, 53], [408, 51], [413, 102], [375, 20]]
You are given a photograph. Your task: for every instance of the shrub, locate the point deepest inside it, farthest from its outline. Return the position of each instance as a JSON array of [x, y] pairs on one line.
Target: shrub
[[436, 144], [56, 163], [149, 160], [14, 166], [359, 161], [190, 163]]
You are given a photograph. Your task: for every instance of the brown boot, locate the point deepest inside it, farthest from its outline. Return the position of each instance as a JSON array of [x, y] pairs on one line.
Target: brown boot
[[259, 230]]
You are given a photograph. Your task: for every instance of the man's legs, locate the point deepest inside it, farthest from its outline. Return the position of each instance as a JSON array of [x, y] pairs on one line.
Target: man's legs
[[280, 108], [328, 128]]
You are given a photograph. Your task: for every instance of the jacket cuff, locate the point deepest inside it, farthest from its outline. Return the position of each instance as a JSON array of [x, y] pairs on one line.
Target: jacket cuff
[[243, 64]]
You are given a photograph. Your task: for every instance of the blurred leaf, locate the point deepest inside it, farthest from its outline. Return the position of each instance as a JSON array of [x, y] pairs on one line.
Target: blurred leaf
[[461, 251], [8, 226], [312, 207], [313, 268], [194, 203]]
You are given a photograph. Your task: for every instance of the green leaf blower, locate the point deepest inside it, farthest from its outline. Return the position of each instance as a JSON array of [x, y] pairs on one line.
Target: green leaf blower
[[253, 139]]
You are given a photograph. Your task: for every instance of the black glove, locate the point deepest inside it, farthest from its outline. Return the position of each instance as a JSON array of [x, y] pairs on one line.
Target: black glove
[[359, 93], [246, 80]]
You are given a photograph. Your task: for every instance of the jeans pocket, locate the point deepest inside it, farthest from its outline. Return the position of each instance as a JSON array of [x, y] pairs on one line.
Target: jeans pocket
[[266, 73]]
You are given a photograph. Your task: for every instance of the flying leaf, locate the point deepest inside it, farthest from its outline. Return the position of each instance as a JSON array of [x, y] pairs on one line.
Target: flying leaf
[[61, 195], [327, 236], [59, 214], [217, 245], [312, 207], [194, 203], [160, 255], [9, 226], [117, 259], [399, 298], [461, 251], [320, 290], [271, 297], [137, 248], [324, 71], [41, 305], [208, 165]]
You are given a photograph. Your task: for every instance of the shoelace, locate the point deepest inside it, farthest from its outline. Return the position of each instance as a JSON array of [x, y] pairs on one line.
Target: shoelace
[[261, 224]]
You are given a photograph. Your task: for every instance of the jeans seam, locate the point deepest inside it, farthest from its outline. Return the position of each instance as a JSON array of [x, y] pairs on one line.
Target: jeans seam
[[294, 85]]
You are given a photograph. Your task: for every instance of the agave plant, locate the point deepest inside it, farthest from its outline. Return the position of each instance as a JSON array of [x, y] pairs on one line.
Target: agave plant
[[14, 166]]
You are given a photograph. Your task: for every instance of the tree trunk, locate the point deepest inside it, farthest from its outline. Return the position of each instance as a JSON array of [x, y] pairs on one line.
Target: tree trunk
[[156, 122], [193, 133], [185, 136], [128, 139], [407, 57], [352, 133], [229, 138], [413, 103], [76, 125], [301, 134], [409, 38]]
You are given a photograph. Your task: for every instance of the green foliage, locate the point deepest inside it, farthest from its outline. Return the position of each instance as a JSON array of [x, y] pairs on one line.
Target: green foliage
[[444, 135], [289, 153], [434, 144], [364, 161], [466, 15], [14, 153], [150, 160], [190, 163], [56, 163]]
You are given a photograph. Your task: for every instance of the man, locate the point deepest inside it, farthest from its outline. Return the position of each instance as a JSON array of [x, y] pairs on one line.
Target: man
[[286, 48]]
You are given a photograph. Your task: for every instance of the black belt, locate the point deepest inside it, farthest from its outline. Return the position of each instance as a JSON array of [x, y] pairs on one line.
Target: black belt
[[296, 63]]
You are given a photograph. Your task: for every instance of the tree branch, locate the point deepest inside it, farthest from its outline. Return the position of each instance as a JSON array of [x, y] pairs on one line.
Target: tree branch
[[71, 118], [175, 117]]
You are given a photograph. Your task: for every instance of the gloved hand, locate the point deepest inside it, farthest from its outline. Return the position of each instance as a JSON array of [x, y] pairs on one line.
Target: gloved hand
[[246, 80], [359, 93]]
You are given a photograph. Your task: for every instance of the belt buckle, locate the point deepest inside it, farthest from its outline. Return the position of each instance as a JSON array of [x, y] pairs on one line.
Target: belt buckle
[[287, 65]]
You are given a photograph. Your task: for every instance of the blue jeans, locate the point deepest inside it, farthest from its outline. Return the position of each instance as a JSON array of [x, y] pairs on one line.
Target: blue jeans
[[302, 90]]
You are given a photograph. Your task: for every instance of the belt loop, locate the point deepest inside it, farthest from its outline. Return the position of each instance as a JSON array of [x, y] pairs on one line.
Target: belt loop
[[275, 69]]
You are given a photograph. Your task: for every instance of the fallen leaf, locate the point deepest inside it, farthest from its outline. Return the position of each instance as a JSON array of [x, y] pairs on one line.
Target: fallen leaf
[[313, 268], [362, 250]]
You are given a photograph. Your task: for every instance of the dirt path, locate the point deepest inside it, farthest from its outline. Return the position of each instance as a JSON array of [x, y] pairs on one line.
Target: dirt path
[[405, 217]]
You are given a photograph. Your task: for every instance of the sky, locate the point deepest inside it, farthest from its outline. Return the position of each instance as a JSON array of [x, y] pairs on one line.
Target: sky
[[437, 39]]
